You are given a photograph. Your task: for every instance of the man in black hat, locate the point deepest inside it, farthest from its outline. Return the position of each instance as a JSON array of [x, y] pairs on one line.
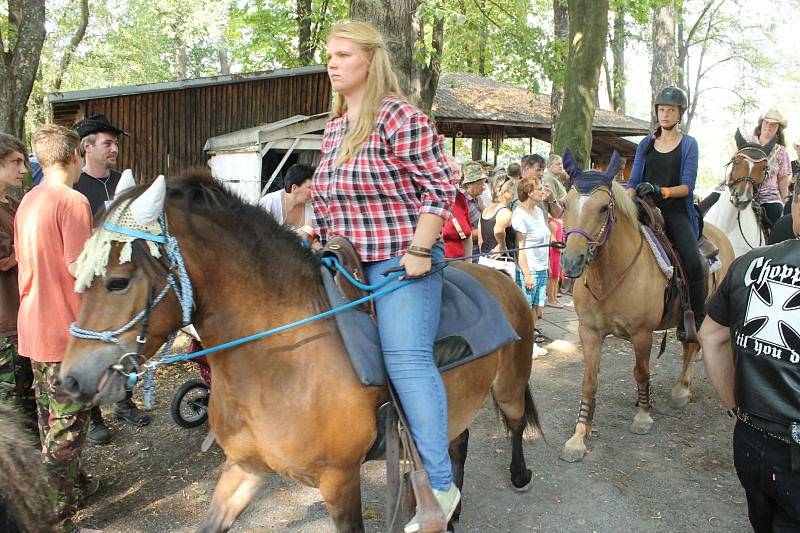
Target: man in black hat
[[99, 147], [98, 181]]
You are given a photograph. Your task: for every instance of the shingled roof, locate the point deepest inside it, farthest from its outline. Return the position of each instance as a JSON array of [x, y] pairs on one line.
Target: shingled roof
[[464, 98]]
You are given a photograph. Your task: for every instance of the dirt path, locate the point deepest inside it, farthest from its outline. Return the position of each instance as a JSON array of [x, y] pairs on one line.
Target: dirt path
[[678, 478]]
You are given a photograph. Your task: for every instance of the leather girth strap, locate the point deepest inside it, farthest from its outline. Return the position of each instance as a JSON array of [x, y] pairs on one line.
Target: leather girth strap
[[344, 251]]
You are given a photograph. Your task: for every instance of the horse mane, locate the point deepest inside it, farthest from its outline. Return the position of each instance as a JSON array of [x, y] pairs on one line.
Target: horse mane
[[624, 203], [271, 249], [24, 504]]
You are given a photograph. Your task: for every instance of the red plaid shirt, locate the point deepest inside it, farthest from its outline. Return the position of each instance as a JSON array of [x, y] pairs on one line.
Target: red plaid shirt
[[376, 198]]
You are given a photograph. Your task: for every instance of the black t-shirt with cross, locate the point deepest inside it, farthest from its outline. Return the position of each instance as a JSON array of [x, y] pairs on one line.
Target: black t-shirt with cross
[[759, 300], [97, 190]]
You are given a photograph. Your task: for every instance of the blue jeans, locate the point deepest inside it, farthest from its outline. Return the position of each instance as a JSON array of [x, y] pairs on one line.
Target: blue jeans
[[408, 320]]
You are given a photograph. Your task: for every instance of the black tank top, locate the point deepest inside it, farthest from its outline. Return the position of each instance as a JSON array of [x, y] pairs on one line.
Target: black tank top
[[759, 300], [664, 170], [487, 232]]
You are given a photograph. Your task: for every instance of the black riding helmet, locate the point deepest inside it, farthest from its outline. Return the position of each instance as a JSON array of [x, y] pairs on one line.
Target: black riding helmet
[[672, 96]]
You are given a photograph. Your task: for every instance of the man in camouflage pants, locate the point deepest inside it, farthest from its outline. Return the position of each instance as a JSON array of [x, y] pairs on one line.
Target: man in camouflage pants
[[62, 430], [15, 372], [15, 377], [51, 225]]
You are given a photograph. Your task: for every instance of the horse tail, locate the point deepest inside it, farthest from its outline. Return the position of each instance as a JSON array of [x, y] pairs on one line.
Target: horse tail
[[531, 413], [24, 504], [530, 418]]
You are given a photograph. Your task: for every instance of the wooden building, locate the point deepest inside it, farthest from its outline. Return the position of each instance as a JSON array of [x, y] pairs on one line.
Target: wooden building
[[170, 122], [475, 107]]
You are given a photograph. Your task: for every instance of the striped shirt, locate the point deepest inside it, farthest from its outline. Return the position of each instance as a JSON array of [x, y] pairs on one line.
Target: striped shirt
[[375, 198]]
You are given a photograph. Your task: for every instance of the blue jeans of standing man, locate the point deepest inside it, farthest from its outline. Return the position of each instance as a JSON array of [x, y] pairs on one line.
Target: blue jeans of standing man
[[408, 320]]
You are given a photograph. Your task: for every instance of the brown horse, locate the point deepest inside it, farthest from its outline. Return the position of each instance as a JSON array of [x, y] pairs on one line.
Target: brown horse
[[289, 403], [24, 493], [621, 294]]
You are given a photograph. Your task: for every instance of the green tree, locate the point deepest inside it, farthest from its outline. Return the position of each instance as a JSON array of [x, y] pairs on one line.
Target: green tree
[[588, 29], [711, 34]]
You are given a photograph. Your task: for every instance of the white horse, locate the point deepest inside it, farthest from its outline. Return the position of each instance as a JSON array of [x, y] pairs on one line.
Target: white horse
[[734, 213], [740, 225]]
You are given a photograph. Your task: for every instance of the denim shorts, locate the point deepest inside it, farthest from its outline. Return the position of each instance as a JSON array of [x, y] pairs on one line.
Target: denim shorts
[[538, 294]]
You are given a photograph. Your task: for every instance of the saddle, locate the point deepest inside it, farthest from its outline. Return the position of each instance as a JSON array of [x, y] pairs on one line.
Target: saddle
[[677, 291], [343, 251]]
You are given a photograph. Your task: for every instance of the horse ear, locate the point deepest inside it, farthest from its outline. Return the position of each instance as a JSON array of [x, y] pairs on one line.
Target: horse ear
[[570, 164], [613, 167], [769, 146], [739, 139], [150, 204], [126, 182]]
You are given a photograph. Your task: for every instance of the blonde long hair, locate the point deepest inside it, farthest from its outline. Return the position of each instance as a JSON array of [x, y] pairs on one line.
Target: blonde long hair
[[381, 82]]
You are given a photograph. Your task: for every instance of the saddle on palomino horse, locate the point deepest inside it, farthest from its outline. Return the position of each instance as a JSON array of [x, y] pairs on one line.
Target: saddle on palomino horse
[[677, 291]]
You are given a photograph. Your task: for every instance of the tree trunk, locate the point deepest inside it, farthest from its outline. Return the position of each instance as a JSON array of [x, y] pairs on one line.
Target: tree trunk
[[618, 72], [560, 34], [20, 62], [588, 30], [305, 48], [664, 53], [181, 55], [402, 26], [77, 37], [222, 55]]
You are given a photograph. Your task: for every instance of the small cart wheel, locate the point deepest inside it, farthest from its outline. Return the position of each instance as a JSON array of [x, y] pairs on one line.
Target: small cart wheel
[[189, 407]]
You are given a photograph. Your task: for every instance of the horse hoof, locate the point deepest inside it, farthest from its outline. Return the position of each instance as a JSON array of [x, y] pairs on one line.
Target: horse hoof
[[681, 396], [525, 486], [641, 424], [573, 452]]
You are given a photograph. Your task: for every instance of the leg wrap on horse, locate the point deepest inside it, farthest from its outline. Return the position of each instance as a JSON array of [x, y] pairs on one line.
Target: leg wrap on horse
[[586, 412], [644, 395]]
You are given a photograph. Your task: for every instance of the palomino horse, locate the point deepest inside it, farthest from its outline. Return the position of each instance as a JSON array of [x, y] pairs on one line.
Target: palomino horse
[[734, 213], [291, 402], [622, 292]]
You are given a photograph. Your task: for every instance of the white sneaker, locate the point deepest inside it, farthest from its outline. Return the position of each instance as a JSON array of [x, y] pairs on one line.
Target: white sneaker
[[448, 501], [538, 350]]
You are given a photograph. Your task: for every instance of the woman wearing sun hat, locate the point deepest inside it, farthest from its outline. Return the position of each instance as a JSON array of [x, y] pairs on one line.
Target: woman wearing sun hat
[[775, 190]]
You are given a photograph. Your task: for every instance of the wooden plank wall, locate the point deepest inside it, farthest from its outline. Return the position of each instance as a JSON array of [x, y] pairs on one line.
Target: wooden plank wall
[[168, 129]]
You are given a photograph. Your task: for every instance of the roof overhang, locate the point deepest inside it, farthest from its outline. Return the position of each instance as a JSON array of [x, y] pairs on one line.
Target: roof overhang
[[276, 134], [110, 92]]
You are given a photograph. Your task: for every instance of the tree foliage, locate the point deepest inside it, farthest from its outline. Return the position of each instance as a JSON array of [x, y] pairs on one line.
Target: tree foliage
[[713, 34]]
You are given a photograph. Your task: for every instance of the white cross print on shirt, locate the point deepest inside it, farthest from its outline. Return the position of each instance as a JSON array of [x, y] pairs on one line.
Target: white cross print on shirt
[[777, 313]]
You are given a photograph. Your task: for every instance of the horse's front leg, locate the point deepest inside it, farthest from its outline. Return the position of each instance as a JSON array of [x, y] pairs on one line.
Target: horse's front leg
[[575, 448], [682, 391], [642, 346], [235, 489], [341, 490]]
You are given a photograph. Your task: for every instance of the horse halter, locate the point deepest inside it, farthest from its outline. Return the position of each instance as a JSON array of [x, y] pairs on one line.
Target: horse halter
[[177, 279], [752, 155], [605, 230]]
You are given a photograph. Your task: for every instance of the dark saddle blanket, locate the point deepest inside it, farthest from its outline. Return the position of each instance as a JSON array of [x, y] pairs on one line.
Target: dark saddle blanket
[[471, 325]]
